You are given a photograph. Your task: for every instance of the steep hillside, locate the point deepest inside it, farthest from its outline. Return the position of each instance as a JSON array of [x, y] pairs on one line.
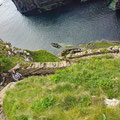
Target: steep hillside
[[75, 93]]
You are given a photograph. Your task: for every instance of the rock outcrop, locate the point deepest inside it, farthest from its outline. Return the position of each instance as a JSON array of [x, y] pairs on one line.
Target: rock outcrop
[[38, 6], [73, 53], [117, 5], [112, 103]]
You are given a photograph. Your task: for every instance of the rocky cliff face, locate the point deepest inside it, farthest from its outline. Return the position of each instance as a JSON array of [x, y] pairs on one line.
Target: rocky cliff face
[[38, 6], [118, 5]]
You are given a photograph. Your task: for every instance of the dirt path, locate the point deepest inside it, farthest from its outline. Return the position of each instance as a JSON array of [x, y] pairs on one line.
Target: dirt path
[[2, 95], [2, 115]]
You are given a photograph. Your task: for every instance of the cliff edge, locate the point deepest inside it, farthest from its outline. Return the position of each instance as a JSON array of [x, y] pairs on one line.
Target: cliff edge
[[38, 6]]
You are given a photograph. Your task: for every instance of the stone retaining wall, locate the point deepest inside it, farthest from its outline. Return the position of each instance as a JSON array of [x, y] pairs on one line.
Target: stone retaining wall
[[72, 54], [37, 68]]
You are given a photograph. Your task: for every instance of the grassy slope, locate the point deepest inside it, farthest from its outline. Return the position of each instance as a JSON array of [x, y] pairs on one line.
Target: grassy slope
[[43, 56], [7, 63], [98, 45], [75, 93]]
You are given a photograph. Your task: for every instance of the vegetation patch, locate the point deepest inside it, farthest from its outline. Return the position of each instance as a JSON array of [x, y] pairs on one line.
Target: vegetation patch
[[98, 45], [43, 56], [7, 62], [75, 93]]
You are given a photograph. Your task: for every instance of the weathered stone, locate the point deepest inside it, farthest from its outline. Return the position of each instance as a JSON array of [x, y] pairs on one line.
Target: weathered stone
[[112, 103], [27, 54], [14, 49], [8, 43], [3, 91], [37, 68], [99, 50], [27, 6], [89, 51], [56, 45], [115, 48], [28, 59], [21, 51], [117, 5], [15, 68], [110, 48], [7, 46], [10, 54], [68, 56]]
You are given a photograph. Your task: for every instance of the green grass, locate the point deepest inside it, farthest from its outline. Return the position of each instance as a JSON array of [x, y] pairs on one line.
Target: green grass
[[43, 56], [98, 45], [6, 63], [67, 95]]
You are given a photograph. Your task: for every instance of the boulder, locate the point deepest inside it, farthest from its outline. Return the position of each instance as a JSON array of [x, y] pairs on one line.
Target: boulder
[[7, 46], [10, 54], [56, 45], [28, 59], [112, 102], [115, 48], [110, 48]]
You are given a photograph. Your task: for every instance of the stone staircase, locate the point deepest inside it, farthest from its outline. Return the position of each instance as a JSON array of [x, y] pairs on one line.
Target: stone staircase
[[37, 68]]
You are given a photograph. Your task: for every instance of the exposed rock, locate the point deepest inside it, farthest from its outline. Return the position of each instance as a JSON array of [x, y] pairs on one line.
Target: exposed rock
[[110, 48], [15, 68], [70, 51], [2, 115], [112, 103], [115, 48], [28, 59], [5, 78], [26, 6], [7, 46], [117, 5], [99, 50], [56, 45], [3, 91], [89, 51], [8, 43], [10, 54], [73, 53], [68, 56]]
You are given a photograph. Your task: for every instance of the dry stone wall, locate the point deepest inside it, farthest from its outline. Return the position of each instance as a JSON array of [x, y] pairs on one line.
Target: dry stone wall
[[37, 68]]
